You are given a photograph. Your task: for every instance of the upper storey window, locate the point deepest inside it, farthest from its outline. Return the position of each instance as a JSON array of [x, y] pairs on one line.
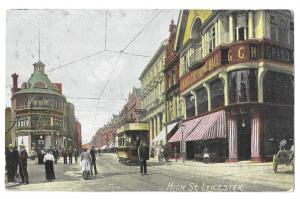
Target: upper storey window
[[282, 30], [212, 39], [40, 85], [241, 28]]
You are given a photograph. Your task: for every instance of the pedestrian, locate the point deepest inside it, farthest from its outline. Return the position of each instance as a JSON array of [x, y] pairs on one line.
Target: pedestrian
[[205, 155], [85, 161], [12, 160], [55, 155], [23, 156], [175, 153], [49, 169], [93, 155], [76, 154], [166, 153], [70, 153], [65, 155], [143, 154]]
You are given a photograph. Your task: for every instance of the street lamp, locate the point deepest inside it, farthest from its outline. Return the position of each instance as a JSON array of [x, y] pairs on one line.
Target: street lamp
[[181, 126]]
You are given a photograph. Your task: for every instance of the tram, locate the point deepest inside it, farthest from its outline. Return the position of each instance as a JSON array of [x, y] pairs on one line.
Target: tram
[[129, 137]]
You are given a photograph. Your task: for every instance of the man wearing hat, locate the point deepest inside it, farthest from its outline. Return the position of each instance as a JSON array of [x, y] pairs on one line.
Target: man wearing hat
[[23, 164], [12, 160]]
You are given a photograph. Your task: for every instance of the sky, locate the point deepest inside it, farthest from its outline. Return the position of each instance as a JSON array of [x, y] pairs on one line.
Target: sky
[[74, 39]]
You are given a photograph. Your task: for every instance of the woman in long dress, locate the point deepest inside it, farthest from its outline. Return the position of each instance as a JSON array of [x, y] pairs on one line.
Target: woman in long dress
[[86, 161], [49, 169]]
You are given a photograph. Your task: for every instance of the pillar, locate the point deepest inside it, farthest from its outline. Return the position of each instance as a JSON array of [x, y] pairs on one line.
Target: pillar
[[183, 106], [260, 84], [158, 123], [207, 87], [216, 34], [250, 25], [150, 129], [232, 139], [29, 143], [255, 136], [224, 77], [196, 104], [154, 126], [231, 29]]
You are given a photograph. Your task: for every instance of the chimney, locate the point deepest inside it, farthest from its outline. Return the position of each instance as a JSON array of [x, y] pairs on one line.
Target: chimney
[[15, 82]]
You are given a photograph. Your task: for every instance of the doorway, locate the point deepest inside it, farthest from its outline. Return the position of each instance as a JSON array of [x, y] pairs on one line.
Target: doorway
[[244, 137]]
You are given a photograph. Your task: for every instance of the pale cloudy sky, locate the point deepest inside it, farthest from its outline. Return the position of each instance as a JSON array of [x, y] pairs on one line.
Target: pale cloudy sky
[[68, 35]]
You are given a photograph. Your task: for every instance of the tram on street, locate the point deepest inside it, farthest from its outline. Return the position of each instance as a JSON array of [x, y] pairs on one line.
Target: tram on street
[[129, 137]]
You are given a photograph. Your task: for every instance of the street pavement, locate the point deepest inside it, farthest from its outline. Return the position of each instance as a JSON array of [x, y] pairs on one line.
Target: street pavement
[[175, 176]]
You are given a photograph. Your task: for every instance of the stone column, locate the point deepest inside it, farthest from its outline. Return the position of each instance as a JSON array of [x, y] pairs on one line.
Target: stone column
[[255, 136], [154, 126], [231, 29], [150, 129], [158, 123], [224, 77], [232, 139], [250, 25], [260, 84], [207, 87], [196, 104], [29, 143]]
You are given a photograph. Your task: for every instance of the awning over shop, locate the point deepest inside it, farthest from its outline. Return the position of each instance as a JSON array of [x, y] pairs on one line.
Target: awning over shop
[[185, 130], [162, 134], [103, 147], [111, 145], [211, 126]]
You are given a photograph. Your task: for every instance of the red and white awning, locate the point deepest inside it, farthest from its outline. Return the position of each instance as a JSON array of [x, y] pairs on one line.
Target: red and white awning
[[185, 130], [211, 126]]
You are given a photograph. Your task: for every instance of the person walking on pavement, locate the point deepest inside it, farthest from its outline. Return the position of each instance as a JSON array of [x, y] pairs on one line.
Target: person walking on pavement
[[12, 160], [85, 161], [143, 154], [55, 155], [93, 155], [70, 155], [166, 154], [65, 155], [23, 164], [49, 169], [76, 154], [175, 153]]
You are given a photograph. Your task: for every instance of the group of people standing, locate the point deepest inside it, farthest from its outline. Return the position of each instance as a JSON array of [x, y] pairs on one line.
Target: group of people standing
[[15, 159]]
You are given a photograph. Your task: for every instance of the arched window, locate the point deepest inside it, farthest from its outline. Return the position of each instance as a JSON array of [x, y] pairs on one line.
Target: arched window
[[202, 102], [190, 106], [195, 30], [217, 94], [242, 86], [278, 88]]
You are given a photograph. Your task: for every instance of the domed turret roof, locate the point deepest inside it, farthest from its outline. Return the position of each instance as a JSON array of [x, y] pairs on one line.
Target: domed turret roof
[[39, 82]]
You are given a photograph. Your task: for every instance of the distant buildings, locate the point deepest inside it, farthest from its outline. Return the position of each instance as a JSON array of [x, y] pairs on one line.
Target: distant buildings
[[42, 114]]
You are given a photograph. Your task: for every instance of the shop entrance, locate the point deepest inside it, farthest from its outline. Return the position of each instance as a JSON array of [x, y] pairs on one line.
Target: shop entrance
[[244, 138]]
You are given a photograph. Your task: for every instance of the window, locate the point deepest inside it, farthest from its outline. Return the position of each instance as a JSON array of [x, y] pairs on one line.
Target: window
[[190, 106], [278, 88], [283, 32], [241, 27], [212, 39], [173, 77], [243, 86], [40, 85], [217, 94], [273, 28], [291, 34], [202, 100]]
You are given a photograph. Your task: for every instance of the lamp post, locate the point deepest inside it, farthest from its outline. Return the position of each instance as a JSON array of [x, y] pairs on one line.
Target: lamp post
[[181, 126]]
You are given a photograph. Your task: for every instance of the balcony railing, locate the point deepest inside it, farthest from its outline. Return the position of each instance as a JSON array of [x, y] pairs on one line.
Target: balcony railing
[[195, 58]]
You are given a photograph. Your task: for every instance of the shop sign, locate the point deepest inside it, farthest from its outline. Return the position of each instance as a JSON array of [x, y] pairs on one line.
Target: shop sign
[[277, 53], [240, 53]]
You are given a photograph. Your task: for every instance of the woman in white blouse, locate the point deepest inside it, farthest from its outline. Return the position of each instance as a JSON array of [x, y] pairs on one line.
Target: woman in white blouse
[[49, 169]]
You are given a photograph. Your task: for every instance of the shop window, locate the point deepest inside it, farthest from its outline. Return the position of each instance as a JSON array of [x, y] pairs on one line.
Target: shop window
[[202, 102], [190, 106], [283, 32], [278, 88], [217, 94]]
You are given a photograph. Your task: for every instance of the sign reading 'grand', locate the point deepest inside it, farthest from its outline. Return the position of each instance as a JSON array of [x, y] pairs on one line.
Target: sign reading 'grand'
[[237, 53]]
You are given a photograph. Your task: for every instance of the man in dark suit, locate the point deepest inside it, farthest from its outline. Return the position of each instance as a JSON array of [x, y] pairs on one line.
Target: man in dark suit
[[143, 153], [23, 164], [93, 155], [12, 160]]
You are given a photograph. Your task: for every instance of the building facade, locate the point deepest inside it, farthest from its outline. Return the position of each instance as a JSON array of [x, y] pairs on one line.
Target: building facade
[[236, 82], [39, 109], [70, 120], [8, 126], [152, 82], [77, 135]]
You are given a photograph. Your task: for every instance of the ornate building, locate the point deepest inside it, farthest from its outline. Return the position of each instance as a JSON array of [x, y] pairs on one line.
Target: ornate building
[[236, 82], [39, 110], [152, 81]]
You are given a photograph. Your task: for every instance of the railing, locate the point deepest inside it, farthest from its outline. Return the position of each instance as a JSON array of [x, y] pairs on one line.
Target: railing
[[196, 57]]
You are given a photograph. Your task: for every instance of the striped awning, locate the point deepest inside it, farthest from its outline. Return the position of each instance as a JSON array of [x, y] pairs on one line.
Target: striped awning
[[185, 130], [211, 126], [162, 134], [103, 147]]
